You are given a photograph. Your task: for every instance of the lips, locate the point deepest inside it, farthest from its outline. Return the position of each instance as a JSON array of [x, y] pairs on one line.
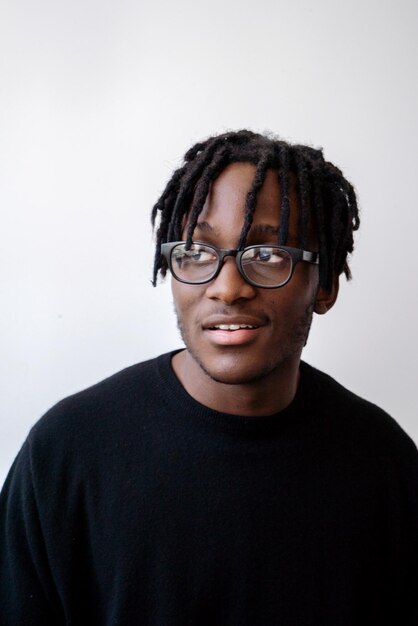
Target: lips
[[233, 330], [231, 327], [233, 322]]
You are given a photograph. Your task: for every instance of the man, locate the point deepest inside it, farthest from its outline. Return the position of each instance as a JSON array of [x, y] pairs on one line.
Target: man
[[228, 483]]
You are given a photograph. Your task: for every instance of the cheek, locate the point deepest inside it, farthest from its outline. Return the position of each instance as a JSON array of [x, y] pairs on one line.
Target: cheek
[[304, 283], [178, 296], [185, 297], [293, 300]]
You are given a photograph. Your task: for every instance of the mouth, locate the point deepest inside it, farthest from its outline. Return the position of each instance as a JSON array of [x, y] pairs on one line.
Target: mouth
[[237, 333], [232, 327]]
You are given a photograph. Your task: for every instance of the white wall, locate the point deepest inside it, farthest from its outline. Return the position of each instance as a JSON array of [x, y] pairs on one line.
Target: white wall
[[98, 102]]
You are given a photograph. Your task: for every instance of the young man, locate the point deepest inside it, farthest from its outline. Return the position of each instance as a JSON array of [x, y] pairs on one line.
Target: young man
[[228, 483]]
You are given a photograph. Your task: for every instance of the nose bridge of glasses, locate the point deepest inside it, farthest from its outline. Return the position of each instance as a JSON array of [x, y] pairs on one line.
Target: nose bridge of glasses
[[235, 268], [224, 252], [229, 283]]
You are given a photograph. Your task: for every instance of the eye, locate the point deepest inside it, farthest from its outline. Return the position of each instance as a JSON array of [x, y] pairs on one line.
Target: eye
[[201, 255], [196, 254], [267, 255]]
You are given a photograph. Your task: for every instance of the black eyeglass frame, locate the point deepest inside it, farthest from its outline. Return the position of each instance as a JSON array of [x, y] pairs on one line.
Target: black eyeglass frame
[[296, 255]]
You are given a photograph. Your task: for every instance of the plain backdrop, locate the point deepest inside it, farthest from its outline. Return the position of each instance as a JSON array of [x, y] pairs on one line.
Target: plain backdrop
[[99, 101]]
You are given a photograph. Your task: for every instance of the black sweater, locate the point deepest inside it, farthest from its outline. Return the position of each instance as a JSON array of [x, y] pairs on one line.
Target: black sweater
[[131, 504]]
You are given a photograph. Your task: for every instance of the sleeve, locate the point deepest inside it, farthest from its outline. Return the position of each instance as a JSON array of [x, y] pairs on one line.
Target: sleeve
[[401, 521], [28, 596], [411, 479]]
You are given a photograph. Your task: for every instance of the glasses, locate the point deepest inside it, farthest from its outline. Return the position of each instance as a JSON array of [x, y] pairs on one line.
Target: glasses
[[262, 265]]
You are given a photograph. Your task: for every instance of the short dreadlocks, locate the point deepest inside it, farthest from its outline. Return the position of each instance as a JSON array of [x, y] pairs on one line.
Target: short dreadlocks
[[325, 196]]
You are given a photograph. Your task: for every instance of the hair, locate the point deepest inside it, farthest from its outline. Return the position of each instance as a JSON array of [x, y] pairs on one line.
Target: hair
[[326, 199]]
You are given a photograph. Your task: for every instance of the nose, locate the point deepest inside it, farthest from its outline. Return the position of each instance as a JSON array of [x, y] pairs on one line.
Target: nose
[[229, 286]]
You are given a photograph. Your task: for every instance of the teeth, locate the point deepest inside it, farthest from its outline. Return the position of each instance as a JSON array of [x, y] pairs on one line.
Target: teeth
[[233, 326]]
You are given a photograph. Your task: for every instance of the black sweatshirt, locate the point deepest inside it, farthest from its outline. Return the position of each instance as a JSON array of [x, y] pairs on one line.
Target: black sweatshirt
[[132, 504]]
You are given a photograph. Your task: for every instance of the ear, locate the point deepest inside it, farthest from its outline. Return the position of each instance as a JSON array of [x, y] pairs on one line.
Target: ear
[[324, 299]]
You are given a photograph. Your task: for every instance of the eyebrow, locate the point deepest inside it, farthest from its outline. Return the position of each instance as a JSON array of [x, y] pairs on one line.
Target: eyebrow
[[264, 229], [257, 230], [205, 227]]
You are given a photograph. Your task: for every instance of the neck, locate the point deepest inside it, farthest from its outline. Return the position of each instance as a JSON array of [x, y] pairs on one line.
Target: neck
[[264, 396]]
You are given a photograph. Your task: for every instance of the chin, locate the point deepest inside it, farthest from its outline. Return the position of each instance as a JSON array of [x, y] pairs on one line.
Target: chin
[[250, 364], [232, 371]]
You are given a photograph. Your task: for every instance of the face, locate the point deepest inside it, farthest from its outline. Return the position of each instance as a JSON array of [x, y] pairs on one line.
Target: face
[[276, 321]]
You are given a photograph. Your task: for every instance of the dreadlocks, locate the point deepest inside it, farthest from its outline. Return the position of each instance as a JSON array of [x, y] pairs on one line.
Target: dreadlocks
[[326, 198]]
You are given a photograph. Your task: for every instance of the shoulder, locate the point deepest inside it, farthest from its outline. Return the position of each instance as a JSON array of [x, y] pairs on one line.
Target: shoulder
[[105, 407], [331, 395], [355, 416]]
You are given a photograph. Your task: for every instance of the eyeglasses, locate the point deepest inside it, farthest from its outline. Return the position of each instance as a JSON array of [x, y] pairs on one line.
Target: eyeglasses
[[262, 265]]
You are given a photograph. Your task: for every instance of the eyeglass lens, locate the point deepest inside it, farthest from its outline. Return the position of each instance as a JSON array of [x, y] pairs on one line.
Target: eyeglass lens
[[267, 265]]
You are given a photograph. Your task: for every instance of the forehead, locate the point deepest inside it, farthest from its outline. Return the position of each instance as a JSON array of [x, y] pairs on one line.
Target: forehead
[[229, 191], [224, 208]]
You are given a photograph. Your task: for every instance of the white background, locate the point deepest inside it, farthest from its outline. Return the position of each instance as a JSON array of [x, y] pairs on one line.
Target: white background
[[99, 101]]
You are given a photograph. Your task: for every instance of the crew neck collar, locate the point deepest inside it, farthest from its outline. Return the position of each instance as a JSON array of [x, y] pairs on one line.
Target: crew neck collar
[[175, 395]]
